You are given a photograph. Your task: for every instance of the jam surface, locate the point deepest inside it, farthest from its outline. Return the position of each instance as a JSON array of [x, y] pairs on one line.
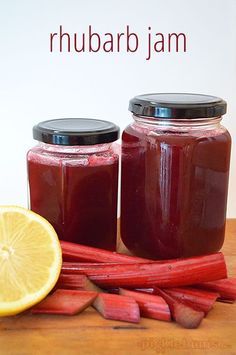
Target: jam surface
[[174, 191], [77, 196]]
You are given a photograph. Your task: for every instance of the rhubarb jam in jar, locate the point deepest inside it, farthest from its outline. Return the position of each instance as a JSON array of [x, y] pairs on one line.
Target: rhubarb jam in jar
[[175, 170], [73, 179]]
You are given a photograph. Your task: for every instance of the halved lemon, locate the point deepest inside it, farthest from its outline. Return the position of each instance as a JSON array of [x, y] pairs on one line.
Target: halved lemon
[[30, 259]]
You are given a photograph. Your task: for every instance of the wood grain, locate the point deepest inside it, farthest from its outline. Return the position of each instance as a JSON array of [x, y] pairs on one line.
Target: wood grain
[[89, 333]]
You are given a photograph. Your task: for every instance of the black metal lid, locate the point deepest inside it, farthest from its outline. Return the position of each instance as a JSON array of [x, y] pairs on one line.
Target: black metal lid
[[76, 131], [177, 105]]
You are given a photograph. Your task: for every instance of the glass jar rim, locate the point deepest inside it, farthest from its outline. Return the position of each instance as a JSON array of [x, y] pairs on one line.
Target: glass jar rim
[[163, 123], [74, 149]]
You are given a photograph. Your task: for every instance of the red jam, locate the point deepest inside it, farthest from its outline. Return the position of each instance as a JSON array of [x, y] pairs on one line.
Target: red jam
[[174, 188], [75, 189], [79, 200]]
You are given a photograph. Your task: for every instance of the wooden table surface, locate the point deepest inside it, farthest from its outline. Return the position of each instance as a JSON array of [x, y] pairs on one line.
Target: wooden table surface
[[89, 333]]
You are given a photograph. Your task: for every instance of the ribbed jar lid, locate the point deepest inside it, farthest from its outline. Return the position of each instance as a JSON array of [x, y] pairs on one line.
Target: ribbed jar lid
[[177, 106], [76, 131]]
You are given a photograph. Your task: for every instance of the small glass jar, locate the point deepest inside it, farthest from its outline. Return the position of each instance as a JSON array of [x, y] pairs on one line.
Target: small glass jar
[[73, 179], [175, 169]]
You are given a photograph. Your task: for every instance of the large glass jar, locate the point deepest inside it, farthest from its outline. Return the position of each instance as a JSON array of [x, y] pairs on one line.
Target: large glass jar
[[73, 179], [175, 169]]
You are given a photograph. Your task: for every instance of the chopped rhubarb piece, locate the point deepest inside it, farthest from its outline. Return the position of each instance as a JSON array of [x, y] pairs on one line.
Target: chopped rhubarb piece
[[225, 287], [78, 252], [75, 282], [184, 315], [151, 306], [198, 299], [66, 302], [117, 307], [171, 273]]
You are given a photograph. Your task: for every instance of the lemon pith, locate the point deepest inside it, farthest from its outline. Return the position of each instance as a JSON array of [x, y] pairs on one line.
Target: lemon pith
[[30, 259]]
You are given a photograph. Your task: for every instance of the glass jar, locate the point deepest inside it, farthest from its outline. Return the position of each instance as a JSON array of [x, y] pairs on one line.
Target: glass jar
[[73, 179], [175, 169]]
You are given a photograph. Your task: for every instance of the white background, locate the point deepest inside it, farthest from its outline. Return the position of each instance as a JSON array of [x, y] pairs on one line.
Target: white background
[[36, 85]]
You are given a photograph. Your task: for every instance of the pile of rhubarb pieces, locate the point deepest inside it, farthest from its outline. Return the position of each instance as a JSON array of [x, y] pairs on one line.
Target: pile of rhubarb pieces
[[122, 287]]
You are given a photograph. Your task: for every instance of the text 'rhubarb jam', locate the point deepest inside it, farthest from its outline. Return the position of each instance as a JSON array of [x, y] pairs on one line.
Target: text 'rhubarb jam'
[[175, 169], [73, 179]]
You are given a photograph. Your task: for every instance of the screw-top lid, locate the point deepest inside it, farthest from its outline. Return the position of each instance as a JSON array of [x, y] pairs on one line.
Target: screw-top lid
[[76, 131], [177, 105]]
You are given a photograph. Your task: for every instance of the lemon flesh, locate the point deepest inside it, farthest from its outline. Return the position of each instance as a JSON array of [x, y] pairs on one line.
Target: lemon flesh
[[30, 259]]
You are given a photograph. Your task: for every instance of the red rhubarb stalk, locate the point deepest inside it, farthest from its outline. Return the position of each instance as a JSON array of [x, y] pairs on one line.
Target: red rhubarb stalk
[[74, 266], [179, 272], [184, 315], [225, 287], [78, 252], [198, 299], [151, 306], [65, 302], [117, 307], [76, 282]]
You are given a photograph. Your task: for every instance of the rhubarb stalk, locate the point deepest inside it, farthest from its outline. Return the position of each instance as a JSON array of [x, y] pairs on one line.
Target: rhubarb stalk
[[184, 315], [76, 282], [225, 287], [198, 299], [65, 302], [151, 306], [78, 252], [178, 272], [117, 307]]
